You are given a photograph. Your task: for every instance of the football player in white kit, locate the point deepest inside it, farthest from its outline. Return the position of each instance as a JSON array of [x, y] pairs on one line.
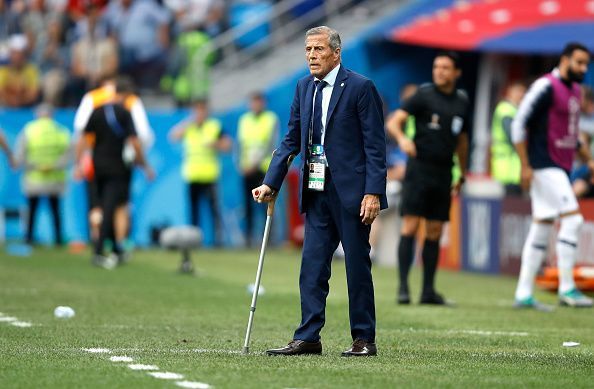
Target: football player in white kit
[[545, 135]]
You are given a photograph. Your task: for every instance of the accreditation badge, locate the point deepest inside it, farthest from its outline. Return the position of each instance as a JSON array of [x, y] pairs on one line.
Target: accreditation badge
[[457, 123], [317, 176]]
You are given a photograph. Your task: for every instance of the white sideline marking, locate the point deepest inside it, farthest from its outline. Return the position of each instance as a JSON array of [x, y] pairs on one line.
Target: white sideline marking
[[121, 359], [165, 375], [22, 324], [489, 333], [8, 319], [192, 385], [139, 366], [97, 350], [214, 351]]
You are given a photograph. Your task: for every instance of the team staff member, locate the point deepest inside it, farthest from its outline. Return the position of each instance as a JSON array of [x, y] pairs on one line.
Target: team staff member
[[505, 163], [257, 135], [545, 133], [105, 94], [44, 150], [112, 127], [343, 187], [441, 120], [203, 139]]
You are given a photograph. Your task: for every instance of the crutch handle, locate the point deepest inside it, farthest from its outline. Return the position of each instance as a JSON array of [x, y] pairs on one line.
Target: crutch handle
[[270, 209]]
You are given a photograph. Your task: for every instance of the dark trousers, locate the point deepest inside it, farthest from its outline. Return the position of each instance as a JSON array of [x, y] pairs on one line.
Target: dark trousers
[[198, 191], [327, 223], [113, 192], [54, 202], [251, 181]]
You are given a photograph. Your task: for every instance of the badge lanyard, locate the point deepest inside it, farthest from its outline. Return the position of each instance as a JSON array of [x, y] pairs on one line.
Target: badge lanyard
[[317, 158]]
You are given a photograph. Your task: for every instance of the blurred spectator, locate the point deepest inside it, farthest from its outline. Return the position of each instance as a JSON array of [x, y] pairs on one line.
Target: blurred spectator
[[94, 56], [43, 149], [203, 139], [142, 31], [257, 135], [505, 163], [188, 73], [77, 9], [11, 16], [51, 55], [19, 79], [193, 15], [583, 185]]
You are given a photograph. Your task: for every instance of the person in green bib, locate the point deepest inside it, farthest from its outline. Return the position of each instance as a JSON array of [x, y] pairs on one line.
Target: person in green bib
[[44, 151], [257, 135], [505, 163], [203, 138]]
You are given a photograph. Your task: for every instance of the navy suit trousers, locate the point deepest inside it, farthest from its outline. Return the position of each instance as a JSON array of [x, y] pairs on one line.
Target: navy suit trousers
[[327, 223]]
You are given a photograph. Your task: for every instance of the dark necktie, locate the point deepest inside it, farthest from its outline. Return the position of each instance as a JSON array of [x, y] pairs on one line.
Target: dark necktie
[[316, 137]]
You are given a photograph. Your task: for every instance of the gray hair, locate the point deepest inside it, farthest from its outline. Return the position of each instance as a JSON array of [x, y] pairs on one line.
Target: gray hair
[[333, 36]]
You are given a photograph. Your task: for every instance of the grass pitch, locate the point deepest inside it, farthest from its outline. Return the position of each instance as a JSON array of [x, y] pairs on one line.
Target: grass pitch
[[195, 326]]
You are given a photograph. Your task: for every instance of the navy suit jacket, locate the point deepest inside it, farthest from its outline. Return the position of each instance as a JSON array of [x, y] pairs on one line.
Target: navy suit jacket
[[355, 142]]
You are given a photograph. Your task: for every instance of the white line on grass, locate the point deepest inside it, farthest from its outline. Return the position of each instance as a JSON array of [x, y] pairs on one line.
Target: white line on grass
[[121, 359], [22, 324], [8, 319], [466, 332], [166, 375], [192, 385], [213, 351], [97, 350], [139, 366]]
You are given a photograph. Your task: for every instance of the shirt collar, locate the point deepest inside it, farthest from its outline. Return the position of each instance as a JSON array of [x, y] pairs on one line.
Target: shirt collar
[[331, 77]]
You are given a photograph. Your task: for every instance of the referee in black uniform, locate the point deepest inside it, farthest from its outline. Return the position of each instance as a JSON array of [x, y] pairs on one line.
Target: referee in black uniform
[[441, 128]]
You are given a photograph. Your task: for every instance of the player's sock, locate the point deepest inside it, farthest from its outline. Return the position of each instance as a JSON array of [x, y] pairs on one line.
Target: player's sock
[[567, 250], [430, 259], [405, 258], [534, 252]]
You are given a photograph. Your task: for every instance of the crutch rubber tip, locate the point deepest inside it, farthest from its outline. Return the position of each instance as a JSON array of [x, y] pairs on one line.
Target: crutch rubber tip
[[246, 350]]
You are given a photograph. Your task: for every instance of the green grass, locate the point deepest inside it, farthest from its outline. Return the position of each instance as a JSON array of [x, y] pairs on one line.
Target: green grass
[[148, 312]]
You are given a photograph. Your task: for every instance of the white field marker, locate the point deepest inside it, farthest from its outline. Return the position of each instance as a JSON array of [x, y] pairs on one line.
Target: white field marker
[[22, 324], [8, 319], [166, 375], [192, 385], [121, 359], [97, 350], [139, 366]]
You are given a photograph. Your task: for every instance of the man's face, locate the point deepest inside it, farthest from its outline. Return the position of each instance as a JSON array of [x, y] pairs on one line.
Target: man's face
[[201, 111], [444, 71], [18, 58], [320, 57], [256, 105], [577, 65], [516, 93]]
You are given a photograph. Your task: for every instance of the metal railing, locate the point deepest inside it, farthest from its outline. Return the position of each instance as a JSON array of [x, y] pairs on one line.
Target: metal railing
[[283, 27]]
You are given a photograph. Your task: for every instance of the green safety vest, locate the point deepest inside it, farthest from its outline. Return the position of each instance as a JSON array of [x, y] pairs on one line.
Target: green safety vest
[[201, 163], [255, 135], [46, 143], [505, 162]]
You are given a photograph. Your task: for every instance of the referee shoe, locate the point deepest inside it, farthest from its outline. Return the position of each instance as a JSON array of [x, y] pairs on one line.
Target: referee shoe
[[531, 303], [575, 298]]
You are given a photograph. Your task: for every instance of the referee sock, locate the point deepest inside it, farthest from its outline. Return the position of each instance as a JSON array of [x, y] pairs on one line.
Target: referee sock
[[567, 250], [430, 259], [534, 252], [405, 259]]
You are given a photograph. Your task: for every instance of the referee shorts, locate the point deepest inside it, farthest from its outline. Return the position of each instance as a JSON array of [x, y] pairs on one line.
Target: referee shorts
[[426, 191]]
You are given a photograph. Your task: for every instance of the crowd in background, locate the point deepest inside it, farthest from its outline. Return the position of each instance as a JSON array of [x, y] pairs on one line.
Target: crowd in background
[[56, 50]]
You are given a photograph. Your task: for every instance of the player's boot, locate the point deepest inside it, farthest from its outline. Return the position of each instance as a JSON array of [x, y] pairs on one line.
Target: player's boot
[[575, 298], [105, 262], [403, 295], [531, 303]]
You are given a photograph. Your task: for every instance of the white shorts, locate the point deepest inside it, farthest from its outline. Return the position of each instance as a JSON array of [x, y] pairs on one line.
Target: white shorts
[[551, 194]]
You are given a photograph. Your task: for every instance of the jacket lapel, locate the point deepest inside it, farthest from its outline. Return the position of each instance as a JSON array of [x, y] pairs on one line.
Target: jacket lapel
[[339, 85], [307, 107]]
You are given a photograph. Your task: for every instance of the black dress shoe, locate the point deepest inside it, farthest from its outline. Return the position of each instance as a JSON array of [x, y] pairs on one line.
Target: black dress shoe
[[297, 347], [361, 348], [433, 298]]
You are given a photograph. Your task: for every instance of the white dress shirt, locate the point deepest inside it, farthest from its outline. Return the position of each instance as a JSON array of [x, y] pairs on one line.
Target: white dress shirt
[[326, 94]]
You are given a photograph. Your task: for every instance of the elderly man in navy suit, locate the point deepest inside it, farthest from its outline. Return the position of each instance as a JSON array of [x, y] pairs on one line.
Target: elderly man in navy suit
[[337, 125]]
